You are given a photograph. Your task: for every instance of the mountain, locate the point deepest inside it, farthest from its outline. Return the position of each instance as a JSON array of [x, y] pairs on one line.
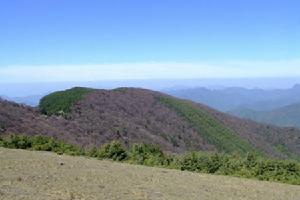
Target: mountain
[[92, 117], [32, 100], [232, 97], [287, 116], [235, 97]]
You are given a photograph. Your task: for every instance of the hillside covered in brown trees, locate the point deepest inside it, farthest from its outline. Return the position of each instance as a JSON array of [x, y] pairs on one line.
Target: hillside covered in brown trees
[[91, 117]]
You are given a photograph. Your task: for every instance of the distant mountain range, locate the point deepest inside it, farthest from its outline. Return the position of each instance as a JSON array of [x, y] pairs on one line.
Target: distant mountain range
[[280, 107], [92, 117], [235, 97], [31, 100], [287, 116], [231, 97], [274, 106]]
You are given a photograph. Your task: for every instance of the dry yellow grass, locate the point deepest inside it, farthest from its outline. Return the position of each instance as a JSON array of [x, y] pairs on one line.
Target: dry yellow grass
[[43, 176]]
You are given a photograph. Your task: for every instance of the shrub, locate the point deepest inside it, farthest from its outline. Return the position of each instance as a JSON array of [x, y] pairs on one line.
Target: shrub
[[201, 162], [251, 166], [40, 143], [113, 150], [146, 154], [17, 142], [93, 152]]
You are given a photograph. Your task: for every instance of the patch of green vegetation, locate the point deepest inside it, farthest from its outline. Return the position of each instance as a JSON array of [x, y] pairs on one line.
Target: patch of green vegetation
[[248, 166], [113, 150], [223, 138], [120, 89], [146, 154], [40, 143], [285, 150], [60, 103]]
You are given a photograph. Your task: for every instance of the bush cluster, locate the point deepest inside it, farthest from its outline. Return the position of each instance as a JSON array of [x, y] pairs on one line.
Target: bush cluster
[[240, 165], [249, 166], [40, 143], [146, 154]]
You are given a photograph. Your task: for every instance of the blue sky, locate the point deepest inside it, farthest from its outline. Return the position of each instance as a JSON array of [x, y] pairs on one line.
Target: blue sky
[[132, 39]]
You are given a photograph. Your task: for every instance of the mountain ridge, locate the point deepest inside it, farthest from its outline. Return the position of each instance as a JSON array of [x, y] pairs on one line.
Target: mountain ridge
[[236, 97], [134, 115], [287, 116]]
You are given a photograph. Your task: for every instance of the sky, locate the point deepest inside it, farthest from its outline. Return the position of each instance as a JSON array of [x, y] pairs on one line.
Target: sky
[[94, 40]]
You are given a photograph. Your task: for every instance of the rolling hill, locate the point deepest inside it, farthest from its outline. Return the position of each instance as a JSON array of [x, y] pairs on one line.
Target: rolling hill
[[236, 97], [287, 116], [93, 117]]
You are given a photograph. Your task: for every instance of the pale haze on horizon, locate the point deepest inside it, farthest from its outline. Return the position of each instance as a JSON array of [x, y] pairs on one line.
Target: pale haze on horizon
[[55, 41], [149, 71]]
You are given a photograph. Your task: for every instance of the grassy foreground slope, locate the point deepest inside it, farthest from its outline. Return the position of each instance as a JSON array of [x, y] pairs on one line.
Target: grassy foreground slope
[[43, 175], [249, 166]]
